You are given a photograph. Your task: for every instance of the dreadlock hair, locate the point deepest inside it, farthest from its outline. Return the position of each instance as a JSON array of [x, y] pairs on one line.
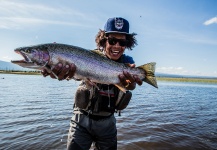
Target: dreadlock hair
[[101, 38]]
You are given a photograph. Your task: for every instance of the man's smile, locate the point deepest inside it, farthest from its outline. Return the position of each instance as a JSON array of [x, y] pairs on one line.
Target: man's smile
[[115, 52]]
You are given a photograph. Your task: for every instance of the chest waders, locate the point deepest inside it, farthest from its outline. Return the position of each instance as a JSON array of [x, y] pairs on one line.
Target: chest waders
[[93, 120], [106, 98]]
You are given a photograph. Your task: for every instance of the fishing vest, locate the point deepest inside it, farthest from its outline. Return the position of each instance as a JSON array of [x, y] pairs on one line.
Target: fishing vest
[[102, 97]]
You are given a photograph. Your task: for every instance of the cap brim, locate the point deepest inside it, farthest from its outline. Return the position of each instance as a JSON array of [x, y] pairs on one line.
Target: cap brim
[[116, 32]]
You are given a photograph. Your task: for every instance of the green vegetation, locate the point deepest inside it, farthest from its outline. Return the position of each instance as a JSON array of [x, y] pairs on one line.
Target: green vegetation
[[185, 79], [20, 72]]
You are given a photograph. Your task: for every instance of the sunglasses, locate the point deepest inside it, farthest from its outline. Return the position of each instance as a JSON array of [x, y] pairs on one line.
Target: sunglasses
[[113, 41]]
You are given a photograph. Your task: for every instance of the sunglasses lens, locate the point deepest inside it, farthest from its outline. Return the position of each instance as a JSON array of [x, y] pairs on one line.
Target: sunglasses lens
[[123, 43], [113, 41]]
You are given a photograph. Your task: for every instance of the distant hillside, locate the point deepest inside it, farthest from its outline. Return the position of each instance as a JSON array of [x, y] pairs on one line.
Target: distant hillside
[[158, 74], [10, 66]]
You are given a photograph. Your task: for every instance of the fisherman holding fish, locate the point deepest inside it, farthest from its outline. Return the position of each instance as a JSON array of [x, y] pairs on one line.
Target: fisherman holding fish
[[93, 116], [93, 119], [107, 76]]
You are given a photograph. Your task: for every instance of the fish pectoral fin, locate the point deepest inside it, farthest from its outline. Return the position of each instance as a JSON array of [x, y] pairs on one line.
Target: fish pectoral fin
[[120, 86]]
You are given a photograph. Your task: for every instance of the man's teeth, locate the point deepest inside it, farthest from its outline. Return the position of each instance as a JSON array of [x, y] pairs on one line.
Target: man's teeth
[[115, 52]]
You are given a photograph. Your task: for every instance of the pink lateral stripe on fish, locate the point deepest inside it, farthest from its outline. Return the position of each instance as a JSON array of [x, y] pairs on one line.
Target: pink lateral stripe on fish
[[89, 65]]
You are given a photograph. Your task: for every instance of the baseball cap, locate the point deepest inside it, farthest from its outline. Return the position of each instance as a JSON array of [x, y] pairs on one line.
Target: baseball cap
[[117, 25]]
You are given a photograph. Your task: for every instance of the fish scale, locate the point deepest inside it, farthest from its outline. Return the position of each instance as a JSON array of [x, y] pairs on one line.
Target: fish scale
[[89, 65]]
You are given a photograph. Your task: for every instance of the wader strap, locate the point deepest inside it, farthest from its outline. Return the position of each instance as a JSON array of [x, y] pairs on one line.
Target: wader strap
[[94, 100], [96, 117]]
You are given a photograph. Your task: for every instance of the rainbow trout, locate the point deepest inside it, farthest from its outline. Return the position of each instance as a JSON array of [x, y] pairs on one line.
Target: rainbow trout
[[89, 65]]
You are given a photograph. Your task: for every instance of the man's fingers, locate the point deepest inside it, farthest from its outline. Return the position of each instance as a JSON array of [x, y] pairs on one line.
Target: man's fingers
[[72, 71], [123, 80], [52, 76], [128, 76], [64, 72], [44, 72], [131, 65], [56, 70], [137, 80]]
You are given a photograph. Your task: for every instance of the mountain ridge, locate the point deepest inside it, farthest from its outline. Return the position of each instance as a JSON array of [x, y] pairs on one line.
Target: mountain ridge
[[10, 66]]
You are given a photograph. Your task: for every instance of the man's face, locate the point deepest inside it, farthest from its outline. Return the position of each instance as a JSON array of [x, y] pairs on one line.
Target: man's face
[[115, 45]]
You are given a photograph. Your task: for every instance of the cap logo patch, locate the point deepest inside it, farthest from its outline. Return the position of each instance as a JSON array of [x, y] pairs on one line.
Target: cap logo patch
[[119, 23]]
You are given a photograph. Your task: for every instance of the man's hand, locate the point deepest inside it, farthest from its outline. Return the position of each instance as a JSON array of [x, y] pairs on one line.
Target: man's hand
[[128, 80], [60, 72]]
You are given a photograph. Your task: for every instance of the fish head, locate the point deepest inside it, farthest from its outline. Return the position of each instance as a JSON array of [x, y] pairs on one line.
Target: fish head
[[33, 56]]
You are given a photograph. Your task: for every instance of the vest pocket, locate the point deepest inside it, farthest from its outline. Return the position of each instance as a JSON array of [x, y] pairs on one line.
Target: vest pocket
[[82, 97], [123, 100]]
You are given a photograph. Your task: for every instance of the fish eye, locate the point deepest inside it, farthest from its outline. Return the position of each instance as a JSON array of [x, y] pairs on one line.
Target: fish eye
[[27, 50]]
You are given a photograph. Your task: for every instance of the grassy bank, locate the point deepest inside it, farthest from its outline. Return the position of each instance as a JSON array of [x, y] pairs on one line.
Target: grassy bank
[[199, 80]]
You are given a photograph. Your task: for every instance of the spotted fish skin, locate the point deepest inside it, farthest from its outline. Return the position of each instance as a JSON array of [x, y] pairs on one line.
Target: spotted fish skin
[[89, 65]]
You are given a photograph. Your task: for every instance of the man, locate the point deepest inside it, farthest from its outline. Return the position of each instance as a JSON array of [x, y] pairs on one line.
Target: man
[[93, 118]]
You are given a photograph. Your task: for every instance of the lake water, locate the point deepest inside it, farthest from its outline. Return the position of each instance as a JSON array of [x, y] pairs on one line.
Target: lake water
[[36, 111]]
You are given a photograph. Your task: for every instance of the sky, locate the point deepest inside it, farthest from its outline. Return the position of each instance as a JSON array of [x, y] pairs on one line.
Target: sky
[[179, 35]]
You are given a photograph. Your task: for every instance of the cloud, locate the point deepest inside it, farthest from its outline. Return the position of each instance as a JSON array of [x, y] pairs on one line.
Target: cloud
[[9, 8], [187, 37], [172, 70], [177, 71], [6, 58], [21, 22], [182, 71], [17, 15], [210, 21], [215, 73]]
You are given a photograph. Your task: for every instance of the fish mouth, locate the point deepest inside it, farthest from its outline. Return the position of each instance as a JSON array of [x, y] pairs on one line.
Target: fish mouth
[[25, 60]]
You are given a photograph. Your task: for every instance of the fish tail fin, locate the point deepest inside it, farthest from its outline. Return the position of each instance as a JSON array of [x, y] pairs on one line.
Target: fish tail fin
[[149, 73]]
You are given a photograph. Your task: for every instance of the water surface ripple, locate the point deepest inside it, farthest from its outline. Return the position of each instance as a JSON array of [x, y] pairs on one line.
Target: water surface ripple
[[35, 114]]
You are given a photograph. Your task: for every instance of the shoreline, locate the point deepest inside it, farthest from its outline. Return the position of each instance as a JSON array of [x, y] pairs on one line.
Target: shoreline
[[188, 79], [21, 72], [159, 78]]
